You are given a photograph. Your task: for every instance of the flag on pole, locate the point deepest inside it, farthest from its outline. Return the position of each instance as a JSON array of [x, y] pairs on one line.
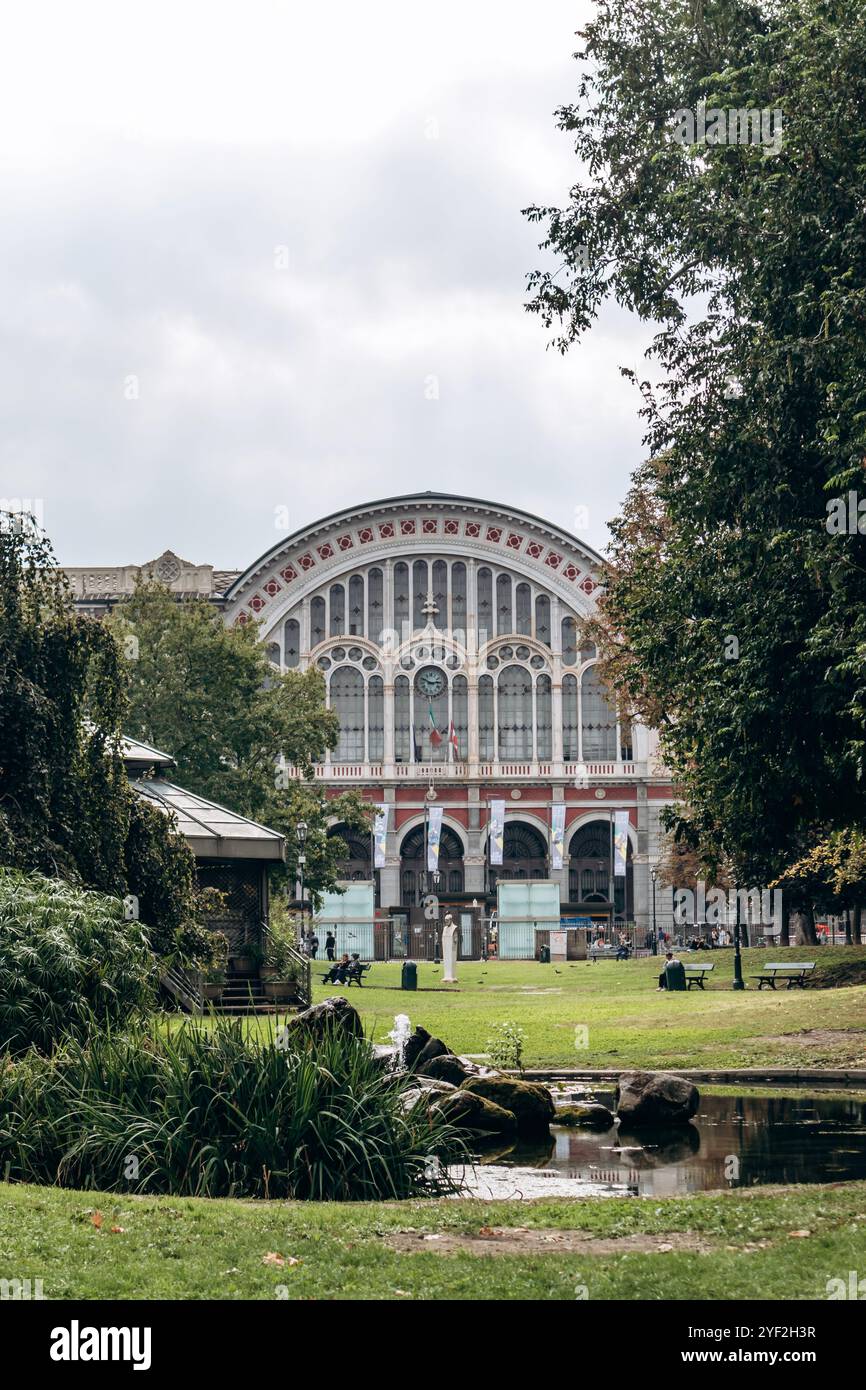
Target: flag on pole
[[434, 835], [380, 832], [435, 736], [557, 834], [497, 831], [453, 746]]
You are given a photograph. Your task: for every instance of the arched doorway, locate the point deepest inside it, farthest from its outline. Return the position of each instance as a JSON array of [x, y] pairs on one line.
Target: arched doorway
[[356, 861], [589, 872], [414, 879], [524, 854]]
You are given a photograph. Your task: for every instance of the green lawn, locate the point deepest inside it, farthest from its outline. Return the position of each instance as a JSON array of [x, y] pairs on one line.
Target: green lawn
[[628, 1022], [725, 1246]]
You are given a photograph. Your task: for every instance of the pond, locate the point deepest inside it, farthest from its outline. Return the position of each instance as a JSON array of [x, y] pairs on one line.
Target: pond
[[734, 1141]]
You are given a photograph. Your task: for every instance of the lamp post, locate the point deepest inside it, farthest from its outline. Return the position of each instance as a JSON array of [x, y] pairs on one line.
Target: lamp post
[[301, 833], [738, 959], [654, 873]]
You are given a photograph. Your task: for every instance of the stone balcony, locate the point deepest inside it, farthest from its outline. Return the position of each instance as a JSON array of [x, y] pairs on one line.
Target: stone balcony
[[571, 772]]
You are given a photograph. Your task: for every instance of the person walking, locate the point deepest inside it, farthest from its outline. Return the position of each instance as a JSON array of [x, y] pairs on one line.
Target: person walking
[[330, 945]]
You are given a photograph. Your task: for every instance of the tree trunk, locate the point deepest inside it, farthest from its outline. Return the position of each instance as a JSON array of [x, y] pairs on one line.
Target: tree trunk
[[856, 933], [806, 934], [848, 937], [785, 929]]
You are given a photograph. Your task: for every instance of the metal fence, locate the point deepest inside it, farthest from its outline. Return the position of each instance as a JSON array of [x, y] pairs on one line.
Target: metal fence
[[398, 938]]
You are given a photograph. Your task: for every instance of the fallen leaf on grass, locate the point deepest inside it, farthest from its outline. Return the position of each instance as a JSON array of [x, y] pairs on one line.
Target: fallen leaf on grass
[[799, 1235], [118, 1230], [273, 1258], [96, 1219]]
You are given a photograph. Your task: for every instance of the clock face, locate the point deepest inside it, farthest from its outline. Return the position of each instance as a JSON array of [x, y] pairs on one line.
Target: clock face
[[430, 681]]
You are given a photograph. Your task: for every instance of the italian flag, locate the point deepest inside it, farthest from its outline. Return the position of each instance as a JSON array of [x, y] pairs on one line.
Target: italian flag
[[435, 736], [453, 747]]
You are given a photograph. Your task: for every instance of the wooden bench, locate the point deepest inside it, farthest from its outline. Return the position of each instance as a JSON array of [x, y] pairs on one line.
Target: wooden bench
[[794, 972], [606, 952], [355, 976], [696, 974]]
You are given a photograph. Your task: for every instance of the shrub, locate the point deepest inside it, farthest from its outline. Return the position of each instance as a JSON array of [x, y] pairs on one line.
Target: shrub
[[208, 1111], [68, 961], [505, 1046]]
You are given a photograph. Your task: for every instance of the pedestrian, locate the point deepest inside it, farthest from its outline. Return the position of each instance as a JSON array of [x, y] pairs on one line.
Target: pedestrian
[[314, 945], [330, 945]]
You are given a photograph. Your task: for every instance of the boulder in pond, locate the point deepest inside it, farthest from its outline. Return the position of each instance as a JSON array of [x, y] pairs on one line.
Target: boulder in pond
[[334, 1014], [647, 1098], [529, 1102], [445, 1067], [469, 1111], [421, 1047], [585, 1115]]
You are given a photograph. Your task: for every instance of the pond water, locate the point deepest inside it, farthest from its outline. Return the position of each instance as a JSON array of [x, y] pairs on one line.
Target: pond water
[[734, 1141]]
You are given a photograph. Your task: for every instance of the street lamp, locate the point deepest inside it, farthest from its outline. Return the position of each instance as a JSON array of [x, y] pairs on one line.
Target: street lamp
[[738, 959], [301, 833], [654, 873]]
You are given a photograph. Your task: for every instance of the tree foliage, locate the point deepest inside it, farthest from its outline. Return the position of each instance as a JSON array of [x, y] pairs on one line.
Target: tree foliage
[[734, 621]]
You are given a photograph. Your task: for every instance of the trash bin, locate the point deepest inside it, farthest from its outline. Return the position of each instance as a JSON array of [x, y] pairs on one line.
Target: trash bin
[[544, 955], [675, 976], [409, 975]]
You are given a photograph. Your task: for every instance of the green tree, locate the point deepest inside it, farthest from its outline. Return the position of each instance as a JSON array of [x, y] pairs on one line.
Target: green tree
[[66, 808], [734, 620], [243, 734]]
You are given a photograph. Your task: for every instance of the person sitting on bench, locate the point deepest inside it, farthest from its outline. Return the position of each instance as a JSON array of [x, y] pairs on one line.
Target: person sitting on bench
[[355, 969], [670, 959], [337, 973]]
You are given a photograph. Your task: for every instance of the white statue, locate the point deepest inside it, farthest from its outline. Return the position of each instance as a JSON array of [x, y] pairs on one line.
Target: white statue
[[449, 950]]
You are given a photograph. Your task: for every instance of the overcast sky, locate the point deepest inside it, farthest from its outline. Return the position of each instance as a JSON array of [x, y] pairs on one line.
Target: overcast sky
[[261, 256]]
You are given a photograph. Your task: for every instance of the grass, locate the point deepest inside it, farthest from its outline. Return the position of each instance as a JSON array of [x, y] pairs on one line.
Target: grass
[[627, 1022], [751, 1245]]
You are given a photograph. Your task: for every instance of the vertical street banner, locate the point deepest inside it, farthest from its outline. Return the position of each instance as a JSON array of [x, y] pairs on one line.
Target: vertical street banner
[[434, 835], [497, 831], [380, 832], [557, 834], [620, 843]]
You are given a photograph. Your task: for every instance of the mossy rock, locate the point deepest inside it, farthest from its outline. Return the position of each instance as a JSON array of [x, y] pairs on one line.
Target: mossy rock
[[445, 1067], [469, 1111], [529, 1101], [588, 1116]]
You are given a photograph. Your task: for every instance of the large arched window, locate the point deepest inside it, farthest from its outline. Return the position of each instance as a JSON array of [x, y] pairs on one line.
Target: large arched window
[[514, 691], [375, 606], [458, 596], [486, 730], [523, 622], [542, 619], [401, 597], [347, 699], [292, 643], [402, 720], [356, 606], [504, 625], [460, 715], [485, 605], [337, 601], [569, 641], [375, 719], [543, 718], [440, 592], [597, 718], [570, 725], [419, 593], [317, 621]]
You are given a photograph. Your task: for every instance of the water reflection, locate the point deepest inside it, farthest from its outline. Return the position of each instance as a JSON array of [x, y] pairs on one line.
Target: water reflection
[[743, 1141]]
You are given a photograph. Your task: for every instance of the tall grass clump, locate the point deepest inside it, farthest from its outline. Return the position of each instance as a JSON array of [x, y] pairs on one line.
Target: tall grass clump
[[68, 962], [213, 1112]]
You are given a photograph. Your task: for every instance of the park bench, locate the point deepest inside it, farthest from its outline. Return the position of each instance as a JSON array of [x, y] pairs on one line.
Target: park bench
[[355, 977], [606, 952], [794, 972], [696, 974]]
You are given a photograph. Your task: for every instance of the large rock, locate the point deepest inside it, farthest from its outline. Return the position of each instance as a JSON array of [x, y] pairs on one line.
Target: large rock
[[425, 1089], [331, 1015], [589, 1115], [646, 1098], [421, 1048], [469, 1111], [529, 1102], [445, 1067]]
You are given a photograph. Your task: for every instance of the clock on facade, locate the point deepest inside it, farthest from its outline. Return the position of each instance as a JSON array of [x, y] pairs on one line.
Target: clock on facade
[[430, 681]]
